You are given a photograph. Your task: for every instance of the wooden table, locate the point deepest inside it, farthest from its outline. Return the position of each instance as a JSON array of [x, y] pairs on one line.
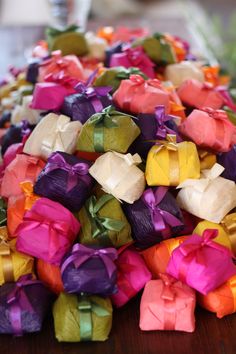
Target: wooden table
[[212, 336]]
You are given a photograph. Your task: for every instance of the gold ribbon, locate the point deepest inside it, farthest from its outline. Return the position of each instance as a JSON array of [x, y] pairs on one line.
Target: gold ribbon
[[30, 197], [229, 225], [5, 253]]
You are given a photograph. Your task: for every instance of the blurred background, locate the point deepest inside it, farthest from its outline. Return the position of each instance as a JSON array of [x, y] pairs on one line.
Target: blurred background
[[209, 25]]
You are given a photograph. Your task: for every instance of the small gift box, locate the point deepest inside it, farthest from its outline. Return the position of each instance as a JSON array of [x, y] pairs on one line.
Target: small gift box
[[112, 77], [22, 168], [24, 112], [227, 160], [199, 95], [157, 257], [207, 159], [96, 46], [69, 40], [221, 300], [170, 163], [219, 134], [66, 180], [202, 263], [211, 197], [134, 57], [132, 275], [23, 306], [185, 70], [229, 227], [50, 275], [86, 102], [108, 130], [90, 270], [53, 133], [154, 217], [119, 175], [15, 134], [18, 205], [222, 237], [82, 318], [167, 304], [47, 231], [13, 264], [139, 96], [103, 222]]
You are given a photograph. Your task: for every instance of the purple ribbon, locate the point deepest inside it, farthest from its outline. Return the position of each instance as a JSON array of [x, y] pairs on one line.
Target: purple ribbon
[[19, 302], [80, 254], [161, 119], [25, 128], [159, 217], [75, 172]]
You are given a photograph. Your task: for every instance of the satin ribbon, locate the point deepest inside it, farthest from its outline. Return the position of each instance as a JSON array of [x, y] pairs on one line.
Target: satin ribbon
[[161, 119], [168, 295], [30, 197], [192, 251], [33, 163], [229, 224], [76, 172], [5, 253], [86, 306], [101, 225], [54, 32], [159, 216], [81, 254], [19, 302]]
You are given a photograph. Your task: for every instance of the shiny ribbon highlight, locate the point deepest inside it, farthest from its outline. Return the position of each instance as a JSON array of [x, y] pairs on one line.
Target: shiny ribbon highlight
[[229, 224]]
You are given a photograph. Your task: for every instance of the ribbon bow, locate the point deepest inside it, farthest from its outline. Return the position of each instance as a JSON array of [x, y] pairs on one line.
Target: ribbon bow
[[216, 114], [159, 217], [76, 172], [30, 197], [81, 254], [161, 119], [19, 302], [137, 80], [168, 292], [169, 144], [100, 225]]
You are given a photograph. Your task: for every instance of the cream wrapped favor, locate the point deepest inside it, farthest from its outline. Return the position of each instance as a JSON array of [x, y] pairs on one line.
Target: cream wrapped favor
[[211, 197], [53, 133], [178, 73], [119, 175], [24, 112]]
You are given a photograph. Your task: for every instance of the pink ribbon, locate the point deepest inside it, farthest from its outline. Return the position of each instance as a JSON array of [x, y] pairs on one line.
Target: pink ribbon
[[80, 254], [19, 302], [159, 217], [217, 114], [62, 79], [56, 60]]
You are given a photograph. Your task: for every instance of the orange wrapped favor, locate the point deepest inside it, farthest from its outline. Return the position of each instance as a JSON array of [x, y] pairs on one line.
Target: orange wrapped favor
[[157, 256], [50, 275]]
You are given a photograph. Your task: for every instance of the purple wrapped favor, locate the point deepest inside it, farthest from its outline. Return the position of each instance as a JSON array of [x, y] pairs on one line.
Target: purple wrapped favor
[[65, 179], [23, 306], [90, 270], [154, 217], [88, 101], [153, 127], [228, 161]]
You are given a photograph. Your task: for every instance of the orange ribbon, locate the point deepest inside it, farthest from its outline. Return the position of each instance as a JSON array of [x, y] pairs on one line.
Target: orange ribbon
[[30, 197]]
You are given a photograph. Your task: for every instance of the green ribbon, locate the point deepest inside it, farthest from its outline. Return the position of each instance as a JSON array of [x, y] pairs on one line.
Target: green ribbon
[[54, 32], [86, 307], [101, 225], [125, 73]]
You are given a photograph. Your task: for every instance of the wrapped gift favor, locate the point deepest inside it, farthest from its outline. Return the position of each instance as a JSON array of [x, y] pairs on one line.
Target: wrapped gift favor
[[23, 306], [170, 163], [108, 130], [139, 96], [96, 46], [154, 217], [207, 159], [53, 133], [24, 112], [167, 304], [119, 175], [185, 70], [90, 270], [132, 275], [22, 168], [228, 161], [199, 95], [219, 134], [47, 232], [229, 227], [50, 275], [103, 222], [201, 262], [211, 197], [82, 318], [66, 180], [223, 236]]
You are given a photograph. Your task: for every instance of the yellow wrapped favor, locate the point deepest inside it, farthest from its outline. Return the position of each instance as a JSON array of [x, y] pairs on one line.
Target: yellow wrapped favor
[[170, 163], [222, 237], [207, 159], [229, 225]]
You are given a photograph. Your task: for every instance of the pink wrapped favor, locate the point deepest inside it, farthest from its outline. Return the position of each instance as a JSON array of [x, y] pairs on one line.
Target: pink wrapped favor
[[202, 263], [22, 168], [47, 232], [167, 304], [196, 94], [136, 95], [132, 275]]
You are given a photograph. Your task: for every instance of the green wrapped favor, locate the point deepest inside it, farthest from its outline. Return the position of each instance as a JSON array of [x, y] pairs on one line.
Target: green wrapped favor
[[113, 76], [82, 318], [3, 212], [157, 48], [69, 41], [103, 222], [108, 130]]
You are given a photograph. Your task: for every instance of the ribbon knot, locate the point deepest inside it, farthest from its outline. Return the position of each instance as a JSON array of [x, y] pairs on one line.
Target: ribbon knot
[[168, 292], [56, 60], [169, 144], [137, 79], [216, 113], [105, 117], [161, 119]]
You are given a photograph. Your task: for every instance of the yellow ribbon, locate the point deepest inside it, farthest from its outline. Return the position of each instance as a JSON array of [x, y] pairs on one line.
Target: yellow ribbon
[[5, 253], [30, 197], [229, 224]]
